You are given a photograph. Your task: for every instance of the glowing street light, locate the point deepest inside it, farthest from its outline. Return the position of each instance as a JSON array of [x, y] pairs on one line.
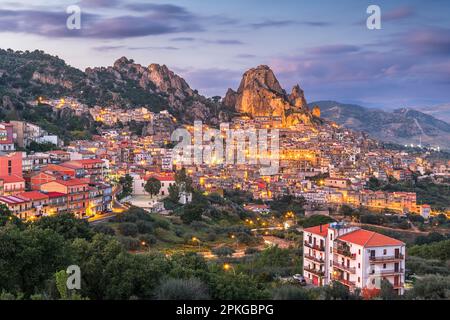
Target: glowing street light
[[228, 266]]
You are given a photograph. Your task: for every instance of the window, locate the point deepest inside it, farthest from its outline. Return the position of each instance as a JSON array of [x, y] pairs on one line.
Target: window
[[384, 265], [359, 251], [359, 265], [331, 236], [359, 279], [373, 281], [384, 251]]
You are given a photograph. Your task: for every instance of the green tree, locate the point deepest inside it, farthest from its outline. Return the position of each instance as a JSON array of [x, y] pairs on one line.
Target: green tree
[[227, 286], [67, 225], [174, 193], [152, 186], [30, 257], [191, 212], [126, 183], [430, 287]]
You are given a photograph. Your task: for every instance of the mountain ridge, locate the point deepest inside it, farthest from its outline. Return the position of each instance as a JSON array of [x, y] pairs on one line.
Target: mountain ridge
[[402, 125]]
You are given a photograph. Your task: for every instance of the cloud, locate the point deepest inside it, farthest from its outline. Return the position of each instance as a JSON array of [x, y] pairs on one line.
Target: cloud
[[154, 48], [272, 23], [157, 20], [398, 14], [333, 49], [108, 48], [183, 39], [286, 23], [435, 41], [246, 56], [99, 3], [225, 42]]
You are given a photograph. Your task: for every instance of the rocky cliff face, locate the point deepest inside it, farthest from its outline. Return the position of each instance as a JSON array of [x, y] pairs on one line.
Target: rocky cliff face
[[164, 87], [260, 94]]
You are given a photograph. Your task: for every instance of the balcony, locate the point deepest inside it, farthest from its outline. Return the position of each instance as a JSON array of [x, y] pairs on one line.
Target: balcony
[[348, 283], [343, 267], [314, 271], [314, 246], [385, 272], [344, 252], [379, 259], [314, 259]]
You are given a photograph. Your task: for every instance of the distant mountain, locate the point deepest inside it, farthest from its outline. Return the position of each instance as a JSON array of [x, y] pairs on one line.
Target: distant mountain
[[441, 112], [404, 126], [26, 75]]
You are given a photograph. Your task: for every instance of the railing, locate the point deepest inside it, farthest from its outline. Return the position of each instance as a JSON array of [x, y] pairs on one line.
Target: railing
[[314, 271], [342, 266], [315, 259], [345, 253], [374, 259], [384, 272], [345, 282], [314, 246]]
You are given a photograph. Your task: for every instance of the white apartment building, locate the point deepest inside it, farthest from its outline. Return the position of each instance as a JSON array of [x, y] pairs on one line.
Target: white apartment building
[[355, 257]]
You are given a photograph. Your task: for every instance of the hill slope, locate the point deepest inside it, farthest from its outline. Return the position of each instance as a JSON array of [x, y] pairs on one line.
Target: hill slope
[[26, 75], [404, 126]]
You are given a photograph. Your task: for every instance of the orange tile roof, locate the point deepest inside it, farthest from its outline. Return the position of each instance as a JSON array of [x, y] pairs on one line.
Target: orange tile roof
[[318, 230], [367, 238], [71, 182]]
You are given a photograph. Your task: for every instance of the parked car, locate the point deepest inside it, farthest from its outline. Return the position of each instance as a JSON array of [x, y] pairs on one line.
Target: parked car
[[300, 279]]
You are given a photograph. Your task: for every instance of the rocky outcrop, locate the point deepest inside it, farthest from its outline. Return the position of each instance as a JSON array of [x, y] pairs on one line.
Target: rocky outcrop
[[260, 94], [158, 80], [50, 79]]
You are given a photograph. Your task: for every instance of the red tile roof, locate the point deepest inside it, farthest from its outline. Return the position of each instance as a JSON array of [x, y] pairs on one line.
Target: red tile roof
[[318, 230], [12, 179], [33, 195], [367, 238], [52, 195]]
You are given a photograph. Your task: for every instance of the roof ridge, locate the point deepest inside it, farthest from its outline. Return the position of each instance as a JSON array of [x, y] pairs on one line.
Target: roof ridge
[[370, 238]]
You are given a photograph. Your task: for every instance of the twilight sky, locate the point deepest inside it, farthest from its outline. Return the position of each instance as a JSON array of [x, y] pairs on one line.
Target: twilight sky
[[322, 45]]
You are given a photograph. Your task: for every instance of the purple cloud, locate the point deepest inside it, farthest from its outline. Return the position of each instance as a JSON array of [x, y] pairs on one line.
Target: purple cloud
[[333, 49], [162, 19], [398, 14], [427, 41]]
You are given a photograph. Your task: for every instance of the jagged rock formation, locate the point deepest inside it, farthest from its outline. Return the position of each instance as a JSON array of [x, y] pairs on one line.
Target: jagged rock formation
[[260, 94]]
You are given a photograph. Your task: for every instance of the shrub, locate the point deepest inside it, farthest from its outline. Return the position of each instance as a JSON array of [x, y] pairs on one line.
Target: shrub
[[182, 289], [130, 244], [128, 229], [105, 229], [290, 292], [144, 226]]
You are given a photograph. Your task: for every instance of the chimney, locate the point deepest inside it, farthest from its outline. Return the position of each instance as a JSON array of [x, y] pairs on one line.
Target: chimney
[[320, 228]]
